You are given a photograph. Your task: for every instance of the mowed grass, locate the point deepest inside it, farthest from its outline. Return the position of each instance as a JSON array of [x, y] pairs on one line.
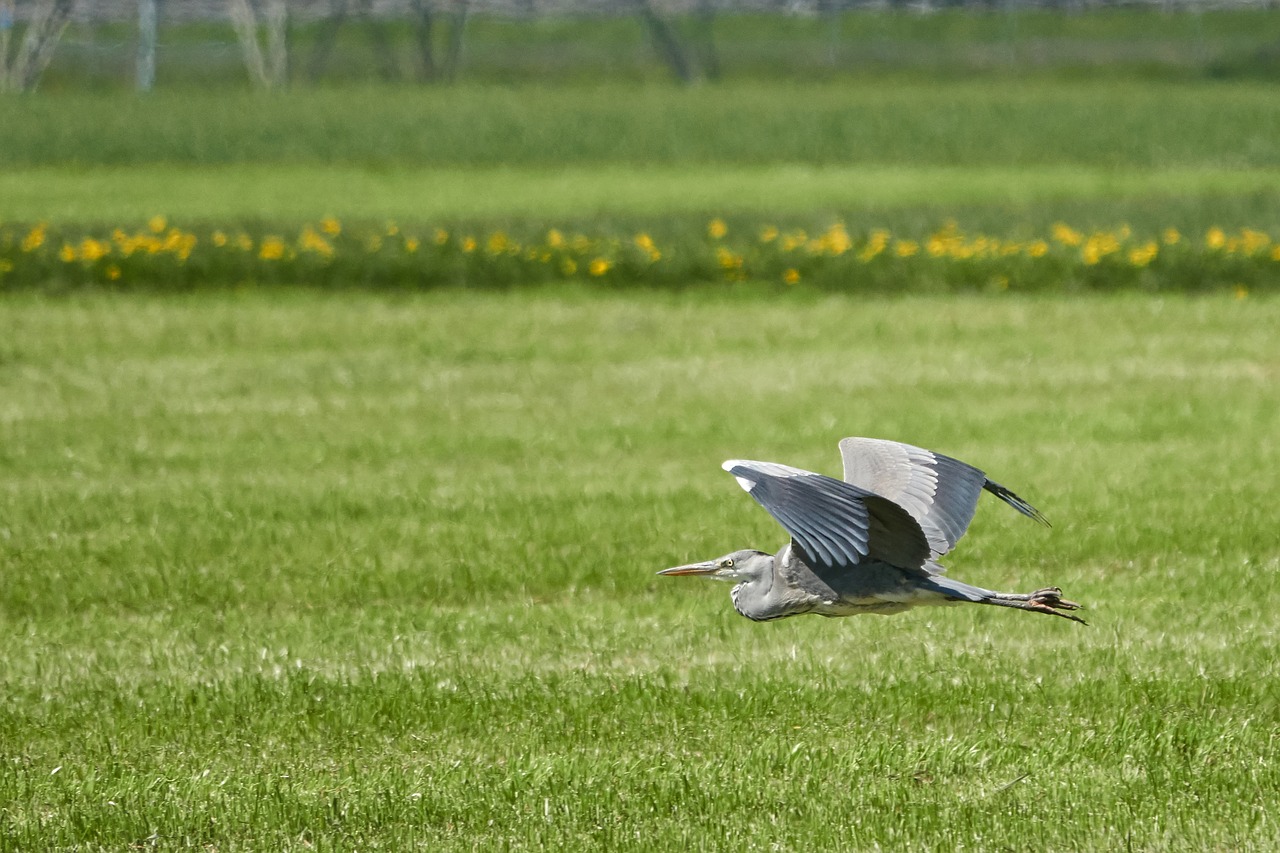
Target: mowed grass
[[879, 153], [657, 198], [355, 570]]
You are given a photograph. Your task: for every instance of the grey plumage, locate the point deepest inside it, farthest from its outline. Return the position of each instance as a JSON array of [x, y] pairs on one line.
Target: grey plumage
[[869, 543]]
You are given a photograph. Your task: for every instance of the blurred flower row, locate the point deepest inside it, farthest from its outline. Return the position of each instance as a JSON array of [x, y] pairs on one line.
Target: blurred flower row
[[330, 252]]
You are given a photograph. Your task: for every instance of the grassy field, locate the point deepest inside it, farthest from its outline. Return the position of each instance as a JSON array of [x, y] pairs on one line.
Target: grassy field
[[1009, 159], [293, 569], [288, 561]]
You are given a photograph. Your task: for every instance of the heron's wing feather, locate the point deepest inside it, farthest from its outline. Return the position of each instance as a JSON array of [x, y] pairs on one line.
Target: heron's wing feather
[[836, 524], [939, 492]]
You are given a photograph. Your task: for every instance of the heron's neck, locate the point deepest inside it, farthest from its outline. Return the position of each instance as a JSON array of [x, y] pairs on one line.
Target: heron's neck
[[754, 598]]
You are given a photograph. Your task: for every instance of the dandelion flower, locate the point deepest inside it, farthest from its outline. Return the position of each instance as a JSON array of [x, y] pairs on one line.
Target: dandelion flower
[[1066, 235], [1241, 291], [157, 224], [113, 272], [34, 239], [599, 266], [1215, 238], [272, 248], [716, 229], [791, 276], [67, 253], [1142, 255]]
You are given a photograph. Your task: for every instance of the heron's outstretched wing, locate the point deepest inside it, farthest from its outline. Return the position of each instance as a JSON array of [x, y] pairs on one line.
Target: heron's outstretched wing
[[837, 525], [939, 492]]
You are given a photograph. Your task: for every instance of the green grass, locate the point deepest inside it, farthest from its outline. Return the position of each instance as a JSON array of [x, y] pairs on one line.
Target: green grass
[[869, 194], [355, 570], [1122, 124], [891, 154]]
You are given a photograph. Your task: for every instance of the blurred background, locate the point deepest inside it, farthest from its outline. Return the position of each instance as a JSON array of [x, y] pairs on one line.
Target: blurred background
[[279, 43]]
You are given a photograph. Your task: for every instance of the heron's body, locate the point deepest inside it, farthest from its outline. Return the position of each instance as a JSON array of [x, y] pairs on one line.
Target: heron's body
[[869, 543]]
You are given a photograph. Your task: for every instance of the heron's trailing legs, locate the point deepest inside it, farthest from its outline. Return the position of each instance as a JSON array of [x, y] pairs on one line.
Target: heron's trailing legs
[[1048, 600]]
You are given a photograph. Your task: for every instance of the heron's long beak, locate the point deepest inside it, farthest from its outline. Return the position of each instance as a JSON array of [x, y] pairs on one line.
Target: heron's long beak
[[707, 568]]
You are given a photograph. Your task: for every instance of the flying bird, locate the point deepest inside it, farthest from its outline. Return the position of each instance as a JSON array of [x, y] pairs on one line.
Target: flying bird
[[869, 543]]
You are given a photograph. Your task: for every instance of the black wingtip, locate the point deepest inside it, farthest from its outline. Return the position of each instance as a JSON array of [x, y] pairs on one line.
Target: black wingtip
[[1016, 502]]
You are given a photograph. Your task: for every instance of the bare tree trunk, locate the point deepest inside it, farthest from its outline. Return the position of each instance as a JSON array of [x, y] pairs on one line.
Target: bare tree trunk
[[6, 28], [276, 15], [453, 52], [269, 68], [423, 21], [381, 42], [665, 41], [38, 43], [707, 47], [324, 41]]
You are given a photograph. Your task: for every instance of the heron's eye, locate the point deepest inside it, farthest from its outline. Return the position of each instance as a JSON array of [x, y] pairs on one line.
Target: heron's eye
[[728, 564]]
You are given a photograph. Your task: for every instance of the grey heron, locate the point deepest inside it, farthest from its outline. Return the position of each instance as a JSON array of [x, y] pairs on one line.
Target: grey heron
[[869, 543]]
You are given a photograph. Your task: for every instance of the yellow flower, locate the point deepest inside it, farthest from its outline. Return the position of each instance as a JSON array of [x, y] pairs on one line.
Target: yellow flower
[[331, 226], [468, 244], [442, 236], [1142, 255], [1241, 291], [568, 267], [497, 243], [555, 239], [906, 248], [67, 253], [1253, 242], [244, 242], [768, 234], [836, 240], [1037, 249], [1215, 238], [218, 239], [311, 240], [6, 265], [791, 276], [645, 242], [92, 250], [598, 267], [411, 244], [727, 259], [157, 224], [272, 248], [1098, 246], [34, 239], [113, 272], [374, 244], [716, 229], [392, 229], [1275, 253], [1066, 235], [875, 244], [1171, 236], [794, 240]]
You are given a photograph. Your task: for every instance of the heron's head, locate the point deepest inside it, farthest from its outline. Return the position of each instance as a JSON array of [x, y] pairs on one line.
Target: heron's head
[[740, 566]]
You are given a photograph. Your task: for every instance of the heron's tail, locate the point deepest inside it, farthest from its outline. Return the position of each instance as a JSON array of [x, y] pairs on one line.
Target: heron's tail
[[1048, 601]]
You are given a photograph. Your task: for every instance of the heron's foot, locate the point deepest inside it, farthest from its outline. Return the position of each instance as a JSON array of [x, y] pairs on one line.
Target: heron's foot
[[1048, 600]]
